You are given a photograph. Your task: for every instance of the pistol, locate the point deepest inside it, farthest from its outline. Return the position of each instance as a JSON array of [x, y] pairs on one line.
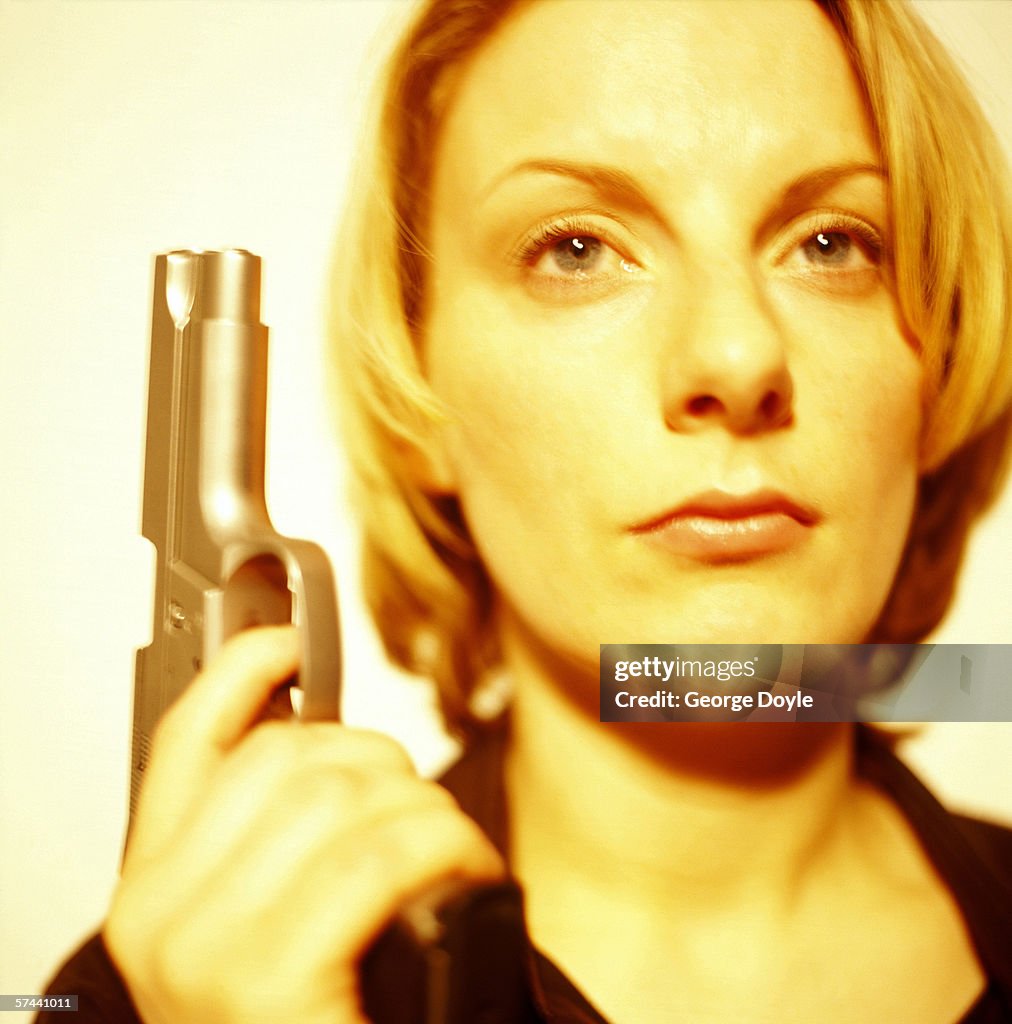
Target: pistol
[[221, 567]]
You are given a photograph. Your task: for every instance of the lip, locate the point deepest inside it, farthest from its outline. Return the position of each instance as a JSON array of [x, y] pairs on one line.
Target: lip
[[718, 527]]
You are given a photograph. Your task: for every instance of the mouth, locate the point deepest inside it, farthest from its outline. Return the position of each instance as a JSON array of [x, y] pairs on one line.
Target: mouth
[[716, 527]]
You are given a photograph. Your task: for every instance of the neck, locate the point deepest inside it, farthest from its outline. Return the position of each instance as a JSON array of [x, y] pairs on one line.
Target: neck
[[698, 816], [745, 861]]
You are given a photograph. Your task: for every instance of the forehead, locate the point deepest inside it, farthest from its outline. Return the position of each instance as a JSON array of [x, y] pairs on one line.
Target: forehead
[[661, 86]]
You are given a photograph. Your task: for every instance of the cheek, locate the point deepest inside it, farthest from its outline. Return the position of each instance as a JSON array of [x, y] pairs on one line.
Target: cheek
[[869, 404], [857, 378], [536, 402], [866, 410], [537, 447], [495, 402]]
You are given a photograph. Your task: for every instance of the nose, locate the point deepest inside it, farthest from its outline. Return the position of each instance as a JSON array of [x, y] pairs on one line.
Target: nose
[[727, 363]]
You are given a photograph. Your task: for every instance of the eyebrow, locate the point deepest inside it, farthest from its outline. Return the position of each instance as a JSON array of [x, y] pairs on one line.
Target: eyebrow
[[607, 179], [813, 183], [808, 187], [601, 177]]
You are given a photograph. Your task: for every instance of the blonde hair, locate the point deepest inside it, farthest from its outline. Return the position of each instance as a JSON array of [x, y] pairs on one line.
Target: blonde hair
[[952, 230]]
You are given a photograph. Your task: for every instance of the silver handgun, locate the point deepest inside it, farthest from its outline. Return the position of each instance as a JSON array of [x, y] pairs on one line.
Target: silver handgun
[[221, 566]]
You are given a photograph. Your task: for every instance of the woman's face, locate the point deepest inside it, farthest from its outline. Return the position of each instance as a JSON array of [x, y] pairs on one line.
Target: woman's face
[[684, 408]]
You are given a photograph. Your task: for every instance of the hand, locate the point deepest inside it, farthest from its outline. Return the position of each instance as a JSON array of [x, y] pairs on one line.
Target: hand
[[267, 856]]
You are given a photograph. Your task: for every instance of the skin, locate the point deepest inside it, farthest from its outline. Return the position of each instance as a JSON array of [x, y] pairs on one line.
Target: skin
[[724, 360], [696, 338], [267, 857]]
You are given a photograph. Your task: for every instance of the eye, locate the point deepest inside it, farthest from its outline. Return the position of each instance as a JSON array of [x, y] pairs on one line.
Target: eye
[[571, 251], [834, 243], [577, 254], [830, 248]]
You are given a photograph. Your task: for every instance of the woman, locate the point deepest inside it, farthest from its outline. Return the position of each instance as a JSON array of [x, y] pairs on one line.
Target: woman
[[657, 323]]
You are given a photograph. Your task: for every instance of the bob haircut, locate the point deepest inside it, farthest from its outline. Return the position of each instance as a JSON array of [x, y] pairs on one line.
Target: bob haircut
[[952, 235]]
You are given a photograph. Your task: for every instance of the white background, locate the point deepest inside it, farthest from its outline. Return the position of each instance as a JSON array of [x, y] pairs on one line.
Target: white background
[[130, 128]]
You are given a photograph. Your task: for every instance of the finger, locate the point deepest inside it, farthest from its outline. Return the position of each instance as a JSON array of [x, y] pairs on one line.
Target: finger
[[225, 700], [378, 870], [278, 743], [324, 906], [207, 720], [266, 787]]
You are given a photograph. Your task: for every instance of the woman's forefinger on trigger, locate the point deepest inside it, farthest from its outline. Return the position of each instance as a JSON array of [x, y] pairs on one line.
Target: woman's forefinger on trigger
[[213, 714], [225, 699]]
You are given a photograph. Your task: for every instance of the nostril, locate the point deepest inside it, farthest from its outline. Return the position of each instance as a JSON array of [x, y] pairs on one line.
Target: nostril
[[742, 410], [701, 405], [770, 405], [774, 407]]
